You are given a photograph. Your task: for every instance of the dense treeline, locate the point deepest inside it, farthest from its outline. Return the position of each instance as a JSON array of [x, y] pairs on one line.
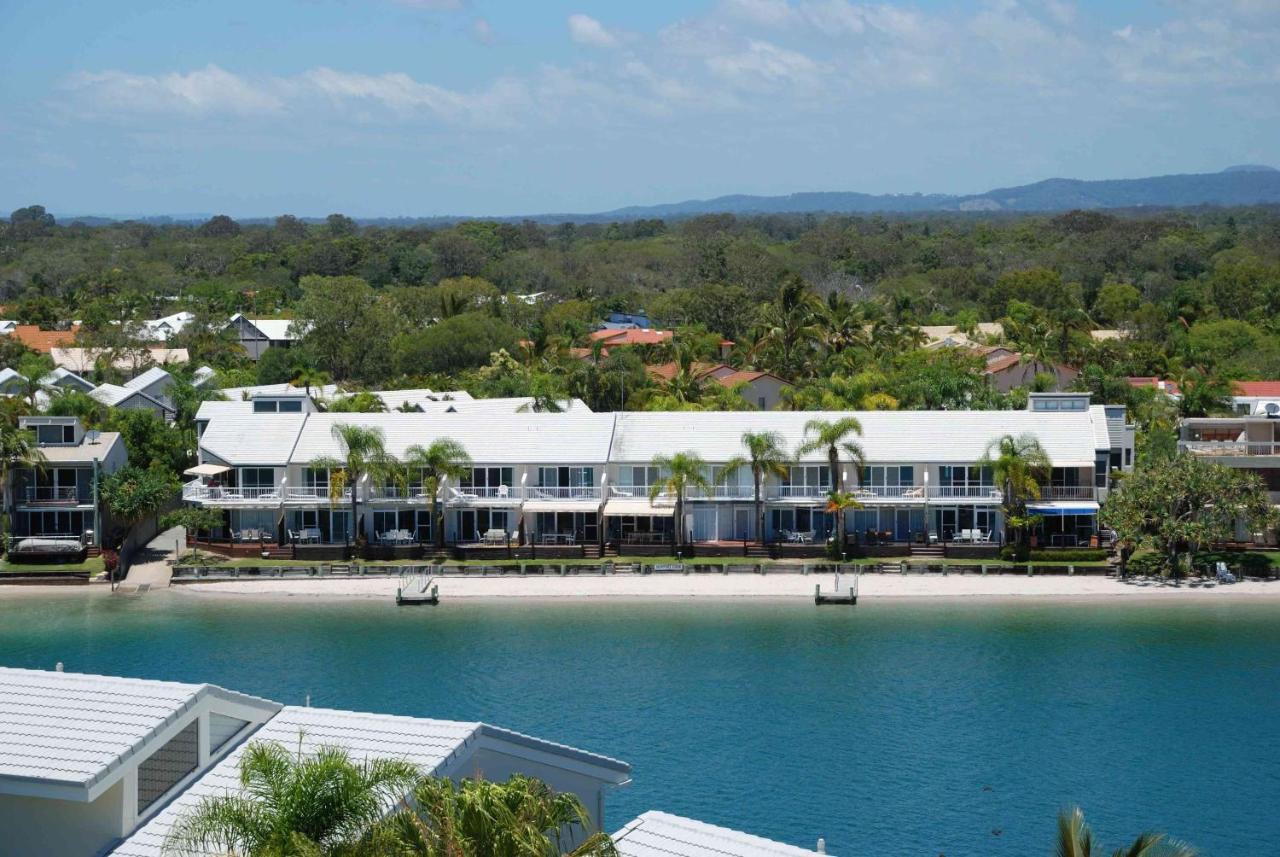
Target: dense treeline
[[831, 303]]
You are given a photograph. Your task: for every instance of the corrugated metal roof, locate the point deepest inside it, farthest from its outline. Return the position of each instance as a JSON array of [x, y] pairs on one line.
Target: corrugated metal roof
[[887, 436], [660, 834], [518, 438], [1101, 431], [74, 729], [147, 378], [247, 438]]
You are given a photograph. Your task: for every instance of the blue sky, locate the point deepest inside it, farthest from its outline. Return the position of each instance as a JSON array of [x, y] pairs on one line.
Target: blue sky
[[423, 107]]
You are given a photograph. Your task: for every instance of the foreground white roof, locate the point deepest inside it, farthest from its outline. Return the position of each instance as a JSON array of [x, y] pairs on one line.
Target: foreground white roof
[[887, 436], [660, 834], [247, 438], [73, 730], [431, 745]]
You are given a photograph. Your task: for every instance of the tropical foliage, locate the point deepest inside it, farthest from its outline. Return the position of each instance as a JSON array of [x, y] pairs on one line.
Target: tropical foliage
[[1075, 839], [1019, 465], [445, 458], [678, 474]]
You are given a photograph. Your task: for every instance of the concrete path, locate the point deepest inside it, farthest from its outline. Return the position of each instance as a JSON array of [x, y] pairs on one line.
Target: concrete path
[[151, 564]]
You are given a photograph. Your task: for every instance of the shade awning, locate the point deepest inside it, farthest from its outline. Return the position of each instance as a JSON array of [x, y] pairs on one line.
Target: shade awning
[[205, 470], [1063, 508], [548, 505], [639, 507]]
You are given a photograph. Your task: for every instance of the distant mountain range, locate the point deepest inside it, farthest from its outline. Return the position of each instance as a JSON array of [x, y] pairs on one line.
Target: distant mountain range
[[1244, 184]]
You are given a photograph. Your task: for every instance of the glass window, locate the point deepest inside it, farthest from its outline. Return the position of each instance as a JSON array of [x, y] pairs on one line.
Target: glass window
[[265, 407], [222, 729], [164, 768], [294, 406]]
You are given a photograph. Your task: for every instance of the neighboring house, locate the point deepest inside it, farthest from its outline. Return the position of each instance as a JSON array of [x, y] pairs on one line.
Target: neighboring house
[[44, 341], [161, 329], [112, 763], [1261, 398], [6, 327], [943, 335], [61, 497], [11, 383], [203, 377], [762, 389], [155, 382], [625, 321], [64, 379], [1248, 442], [584, 478], [115, 396], [1007, 370], [256, 335], [84, 360], [629, 336], [661, 834]]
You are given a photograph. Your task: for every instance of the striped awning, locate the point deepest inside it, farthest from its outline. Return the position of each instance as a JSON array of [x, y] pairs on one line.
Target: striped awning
[[1056, 509], [638, 507]]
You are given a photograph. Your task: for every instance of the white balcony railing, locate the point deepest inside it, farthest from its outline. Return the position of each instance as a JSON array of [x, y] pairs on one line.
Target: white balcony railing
[[316, 492], [965, 492], [889, 492], [51, 494], [220, 494], [803, 490], [722, 492], [1230, 447], [562, 492], [491, 492], [1066, 492]]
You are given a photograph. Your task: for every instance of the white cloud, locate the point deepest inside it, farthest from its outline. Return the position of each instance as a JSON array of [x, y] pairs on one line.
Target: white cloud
[[207, 90], [586, 30], [764, 62]]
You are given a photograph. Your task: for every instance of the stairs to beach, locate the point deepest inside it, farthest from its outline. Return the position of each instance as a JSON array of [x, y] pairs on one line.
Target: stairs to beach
[[929, 551]]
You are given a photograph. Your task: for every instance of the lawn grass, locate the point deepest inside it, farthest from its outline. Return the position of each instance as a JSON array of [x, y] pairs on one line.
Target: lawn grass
[[92, 564]]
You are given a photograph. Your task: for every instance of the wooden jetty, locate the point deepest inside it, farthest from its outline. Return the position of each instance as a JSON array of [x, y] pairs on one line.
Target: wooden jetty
[[417, 589], [845, 591]]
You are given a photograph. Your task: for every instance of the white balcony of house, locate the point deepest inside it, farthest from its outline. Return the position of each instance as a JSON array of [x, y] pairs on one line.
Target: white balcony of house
[[1067, 492], [491, 494], [965, 492], [799, 492], [562, 492], [316, 493], [723, 492], [408, 494], [219, 495], [1230, 448], [54, 495], [895, 493]]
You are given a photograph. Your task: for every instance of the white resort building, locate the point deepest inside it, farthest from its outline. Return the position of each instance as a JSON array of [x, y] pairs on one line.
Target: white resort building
[[580, 483]]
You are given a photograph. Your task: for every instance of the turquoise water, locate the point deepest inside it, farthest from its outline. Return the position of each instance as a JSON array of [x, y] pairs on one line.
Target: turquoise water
[[888, 729]]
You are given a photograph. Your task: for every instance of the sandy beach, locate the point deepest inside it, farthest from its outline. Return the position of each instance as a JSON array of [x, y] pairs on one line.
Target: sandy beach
[[744, 586]]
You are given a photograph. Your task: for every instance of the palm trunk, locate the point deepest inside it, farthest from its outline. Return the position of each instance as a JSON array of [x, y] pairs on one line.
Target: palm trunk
[[352, 526], [759, 508], [437, 532]]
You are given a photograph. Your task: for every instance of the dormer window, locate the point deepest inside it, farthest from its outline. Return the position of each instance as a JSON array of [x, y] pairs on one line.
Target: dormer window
[[56, 435]]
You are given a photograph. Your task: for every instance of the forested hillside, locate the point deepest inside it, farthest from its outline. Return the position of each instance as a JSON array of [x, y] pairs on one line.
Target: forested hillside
[[832, 304]]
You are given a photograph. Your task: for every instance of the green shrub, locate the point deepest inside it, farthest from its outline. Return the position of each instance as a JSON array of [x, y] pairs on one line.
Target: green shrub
[[1249, 563], [1069, 555], [1148, 564]]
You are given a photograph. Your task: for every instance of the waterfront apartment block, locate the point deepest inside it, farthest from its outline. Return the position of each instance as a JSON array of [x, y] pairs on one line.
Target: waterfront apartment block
[[55, 506], [585, 482], [1250, 443]]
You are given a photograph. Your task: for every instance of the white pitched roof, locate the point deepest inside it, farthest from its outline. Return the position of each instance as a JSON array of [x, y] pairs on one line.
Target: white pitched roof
[[519, 438], [73, 730], [275, 329], [7, 374], [112, 394], [60, 373], [251, 439], [211, 408], [202, 376], [660, 834], [324, 391], [431, 745], [147, 378], [887, 436]]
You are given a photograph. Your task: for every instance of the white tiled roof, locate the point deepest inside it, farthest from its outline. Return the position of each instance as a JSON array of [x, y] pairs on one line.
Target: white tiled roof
[[74, 729], [516, 438], [275, 329], [84, 452], [324, 391], [429, 744], [1101, 433], [250, 439], [219, 408], [660, 834], [887, 436], [111, 394]]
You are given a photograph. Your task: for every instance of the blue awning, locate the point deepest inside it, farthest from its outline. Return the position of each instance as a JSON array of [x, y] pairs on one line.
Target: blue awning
[[1059, 509]]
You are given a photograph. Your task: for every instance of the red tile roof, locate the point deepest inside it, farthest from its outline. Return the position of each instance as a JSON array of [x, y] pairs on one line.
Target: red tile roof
[[36, 339], [633, 336], [1258, 388]]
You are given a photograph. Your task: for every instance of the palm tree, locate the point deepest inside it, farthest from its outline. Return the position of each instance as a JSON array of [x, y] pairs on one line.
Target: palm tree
[[841, 325], [522, 816], [444, 459], [786, 331], [364, 453], [308, 377], [683, 470], [1020, 466], [1075, 839], [319, 804], [766, 455], [18, 451], [838, 502], [832, 436]]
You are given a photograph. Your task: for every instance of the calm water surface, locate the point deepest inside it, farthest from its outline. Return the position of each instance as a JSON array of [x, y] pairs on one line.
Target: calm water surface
[[889, 729]]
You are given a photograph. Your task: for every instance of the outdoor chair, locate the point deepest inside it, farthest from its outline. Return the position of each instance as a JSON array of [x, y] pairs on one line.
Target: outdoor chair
[[1224, 573]]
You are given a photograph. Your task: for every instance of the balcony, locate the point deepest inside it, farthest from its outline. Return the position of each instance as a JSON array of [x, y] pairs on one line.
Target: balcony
[[470, 493], [722, 492], [889, 492], [53, 495], [565, 492], [316, 493], [1066, 492], [218, 495], [797, 492], [965, 492], [412, 494], [1229, 448]]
